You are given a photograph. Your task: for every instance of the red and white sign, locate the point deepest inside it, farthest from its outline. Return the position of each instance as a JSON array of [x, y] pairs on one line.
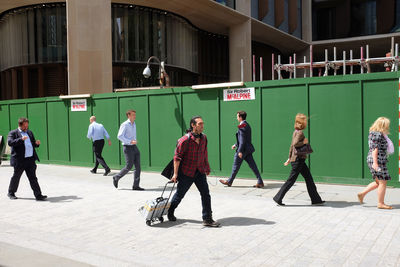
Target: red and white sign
[[78, 105], [239, 94]]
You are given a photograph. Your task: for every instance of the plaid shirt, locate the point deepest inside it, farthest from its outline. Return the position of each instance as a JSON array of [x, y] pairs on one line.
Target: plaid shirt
[[192, 156]]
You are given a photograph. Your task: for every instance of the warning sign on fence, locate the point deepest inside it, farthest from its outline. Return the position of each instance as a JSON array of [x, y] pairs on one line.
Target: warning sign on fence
[[239, 94], [78, 105]]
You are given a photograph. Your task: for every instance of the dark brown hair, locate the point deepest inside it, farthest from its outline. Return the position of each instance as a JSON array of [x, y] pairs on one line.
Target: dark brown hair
[[242, 114], [193, 121], [22, 120], [129, 111]]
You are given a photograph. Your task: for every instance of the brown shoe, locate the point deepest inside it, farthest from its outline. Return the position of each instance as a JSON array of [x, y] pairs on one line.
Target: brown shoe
[[225, 182], [258, 185]]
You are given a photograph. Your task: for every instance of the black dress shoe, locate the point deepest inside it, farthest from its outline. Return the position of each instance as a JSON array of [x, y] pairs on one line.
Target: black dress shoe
[[171, 217], [41, 198], [278, 202], [137, 188], [93, 171], [115, 182], [319, 203], [12, 196], [107, 172]]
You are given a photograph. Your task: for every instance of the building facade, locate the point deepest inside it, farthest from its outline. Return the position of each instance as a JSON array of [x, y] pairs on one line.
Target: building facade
[[51, 48]]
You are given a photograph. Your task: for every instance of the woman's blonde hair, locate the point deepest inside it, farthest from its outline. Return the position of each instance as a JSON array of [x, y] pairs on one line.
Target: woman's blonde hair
[[380, 125], [300, 122]]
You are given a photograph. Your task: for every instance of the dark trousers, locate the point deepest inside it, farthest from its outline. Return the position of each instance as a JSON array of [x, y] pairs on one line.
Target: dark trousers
[[184, 183], [237, 162], [132, 157], [29, 166], [299, 166], [98, 146]]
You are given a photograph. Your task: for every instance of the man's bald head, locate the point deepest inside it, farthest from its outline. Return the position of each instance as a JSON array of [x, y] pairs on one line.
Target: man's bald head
[[92, 119]]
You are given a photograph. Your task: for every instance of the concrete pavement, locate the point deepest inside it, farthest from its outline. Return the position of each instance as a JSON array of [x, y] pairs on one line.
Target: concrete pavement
[[86, 221]]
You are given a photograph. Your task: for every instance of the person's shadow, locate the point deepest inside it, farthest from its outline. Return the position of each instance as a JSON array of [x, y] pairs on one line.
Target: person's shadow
[[243, 221], [330, 203], [229, 221], [63, 199], [54, 199]]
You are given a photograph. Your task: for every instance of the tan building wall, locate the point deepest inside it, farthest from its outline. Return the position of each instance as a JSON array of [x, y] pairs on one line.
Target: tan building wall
[[89, 46]]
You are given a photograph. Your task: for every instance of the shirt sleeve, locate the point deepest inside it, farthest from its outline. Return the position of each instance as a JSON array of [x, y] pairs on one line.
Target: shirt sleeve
[[121, 135], [207, 164], [180, 149], [90, 132], [105, 133], [374, 140]]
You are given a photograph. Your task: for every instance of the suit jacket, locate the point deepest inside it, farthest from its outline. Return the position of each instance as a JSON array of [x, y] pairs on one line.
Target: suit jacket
[[17, 145], [243, 139]]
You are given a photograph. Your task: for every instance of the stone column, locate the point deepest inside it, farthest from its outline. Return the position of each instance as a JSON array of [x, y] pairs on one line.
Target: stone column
[[306, 9], [89, 46], [240, 45]]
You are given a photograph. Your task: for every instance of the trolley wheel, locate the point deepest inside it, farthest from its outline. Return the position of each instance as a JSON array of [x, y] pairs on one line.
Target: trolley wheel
[[148, 222], [161, 219]]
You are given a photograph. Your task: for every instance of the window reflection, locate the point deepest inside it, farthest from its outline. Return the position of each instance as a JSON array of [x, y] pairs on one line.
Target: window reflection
[[33, 35], [140, 32]]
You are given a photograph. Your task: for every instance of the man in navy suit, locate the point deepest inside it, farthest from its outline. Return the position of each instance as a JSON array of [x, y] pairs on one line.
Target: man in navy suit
[[23, 157], [244, 151]]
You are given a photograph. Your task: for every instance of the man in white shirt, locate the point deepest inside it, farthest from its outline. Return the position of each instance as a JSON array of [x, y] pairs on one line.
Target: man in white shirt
[[127, 135]]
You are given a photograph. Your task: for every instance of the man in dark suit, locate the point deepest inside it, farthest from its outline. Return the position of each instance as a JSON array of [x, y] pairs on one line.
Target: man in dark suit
[[244, 151], [23, 157]]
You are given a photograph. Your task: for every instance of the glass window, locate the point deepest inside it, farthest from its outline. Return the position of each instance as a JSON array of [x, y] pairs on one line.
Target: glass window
[[32, 35]]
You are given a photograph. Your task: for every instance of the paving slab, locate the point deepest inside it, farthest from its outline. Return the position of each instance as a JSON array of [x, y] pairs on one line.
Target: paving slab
[[87, 222]]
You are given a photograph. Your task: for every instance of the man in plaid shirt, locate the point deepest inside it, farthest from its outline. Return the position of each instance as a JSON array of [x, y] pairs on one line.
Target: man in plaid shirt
[[191, 166]]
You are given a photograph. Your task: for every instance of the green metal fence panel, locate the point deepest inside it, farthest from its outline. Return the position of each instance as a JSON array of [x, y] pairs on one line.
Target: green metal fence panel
[[279, 108], [58, 132], [138, 103], [204, 103], [229, 128], [38, 124], [4, 120], [165, 127], [81, 151], [379, 100], [336, 129], [106, 112], [340, 108], [17, 110]]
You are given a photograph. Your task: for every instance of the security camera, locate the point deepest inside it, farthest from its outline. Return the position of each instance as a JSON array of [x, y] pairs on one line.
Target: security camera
[[147, 72]]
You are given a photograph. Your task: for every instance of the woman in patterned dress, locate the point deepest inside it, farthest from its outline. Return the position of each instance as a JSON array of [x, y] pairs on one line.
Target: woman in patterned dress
[[379, 147]]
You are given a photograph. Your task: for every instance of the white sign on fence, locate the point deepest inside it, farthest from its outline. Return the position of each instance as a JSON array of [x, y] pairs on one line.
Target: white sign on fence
[[78, 105], [239, 94]]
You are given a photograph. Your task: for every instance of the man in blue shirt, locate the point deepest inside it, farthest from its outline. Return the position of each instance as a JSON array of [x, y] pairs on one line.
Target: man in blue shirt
[[127, 135], [23, 157], [96, 132]]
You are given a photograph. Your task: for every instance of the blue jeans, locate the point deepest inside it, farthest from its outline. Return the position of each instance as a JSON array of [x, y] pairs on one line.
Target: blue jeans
[[184, 183]]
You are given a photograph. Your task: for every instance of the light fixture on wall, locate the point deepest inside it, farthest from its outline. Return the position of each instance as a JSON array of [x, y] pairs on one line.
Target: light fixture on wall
[[162, 74]]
